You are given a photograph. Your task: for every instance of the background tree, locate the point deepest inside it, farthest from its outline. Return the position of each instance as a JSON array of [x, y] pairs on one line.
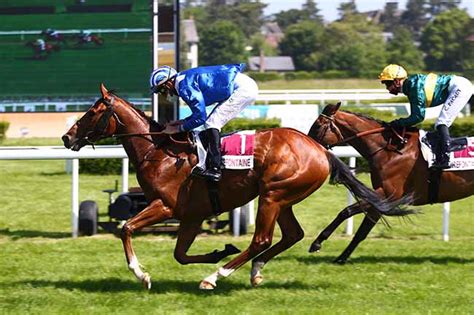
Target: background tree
[[443, 39], [436, 7], [311, 11], [301, 41], [347, 9], [247, 14], [258, 44], [415, 16], [287, 18], [402, 50], [390, 16], [220, 43], [467, 53], [354, 46]]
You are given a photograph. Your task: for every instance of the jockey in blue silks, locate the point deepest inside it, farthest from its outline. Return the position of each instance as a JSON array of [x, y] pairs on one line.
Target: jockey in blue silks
[[224, 85]]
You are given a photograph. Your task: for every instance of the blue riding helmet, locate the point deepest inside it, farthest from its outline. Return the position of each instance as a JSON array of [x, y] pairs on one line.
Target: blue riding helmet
[[160, 76]]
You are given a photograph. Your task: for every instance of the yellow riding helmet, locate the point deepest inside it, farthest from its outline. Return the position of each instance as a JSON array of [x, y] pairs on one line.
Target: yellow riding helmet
[[392, 72]]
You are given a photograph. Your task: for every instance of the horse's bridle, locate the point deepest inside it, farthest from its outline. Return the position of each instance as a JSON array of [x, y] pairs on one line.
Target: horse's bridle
[[331, 125], [104, 121], [343, 140]]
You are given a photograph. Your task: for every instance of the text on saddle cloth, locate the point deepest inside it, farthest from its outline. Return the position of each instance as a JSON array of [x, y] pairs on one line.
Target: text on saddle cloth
[[459, 160], [237, 150]]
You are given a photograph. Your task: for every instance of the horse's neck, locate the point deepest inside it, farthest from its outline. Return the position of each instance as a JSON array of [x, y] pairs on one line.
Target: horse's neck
[[131, 122], [350, 125]]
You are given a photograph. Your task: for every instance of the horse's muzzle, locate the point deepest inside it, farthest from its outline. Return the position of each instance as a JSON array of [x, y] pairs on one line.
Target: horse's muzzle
[[67, 141]]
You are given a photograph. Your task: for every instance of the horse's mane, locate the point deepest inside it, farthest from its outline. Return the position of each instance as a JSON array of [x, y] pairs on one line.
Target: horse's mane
[[381, 122], [154, 125]]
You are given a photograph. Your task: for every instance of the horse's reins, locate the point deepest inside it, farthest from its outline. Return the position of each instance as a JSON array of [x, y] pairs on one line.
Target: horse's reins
[[361, 134], [104, 123]]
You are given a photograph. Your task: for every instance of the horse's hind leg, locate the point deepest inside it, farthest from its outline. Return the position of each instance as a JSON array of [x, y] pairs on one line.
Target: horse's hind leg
[[156, 212], [267, 214], [343, 215], [366, 226], [291, 234]]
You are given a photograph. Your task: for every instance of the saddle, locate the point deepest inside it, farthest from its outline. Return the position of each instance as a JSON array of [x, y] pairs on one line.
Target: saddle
[[236, 148], [237, 154]]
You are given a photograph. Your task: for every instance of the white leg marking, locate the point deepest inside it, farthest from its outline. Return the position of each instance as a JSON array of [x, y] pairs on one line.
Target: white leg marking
[[212, 279], [256, 276], [135, 267]]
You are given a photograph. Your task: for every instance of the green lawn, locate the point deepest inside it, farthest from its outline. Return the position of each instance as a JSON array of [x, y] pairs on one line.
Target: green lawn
[[404, 270], [76, 71]]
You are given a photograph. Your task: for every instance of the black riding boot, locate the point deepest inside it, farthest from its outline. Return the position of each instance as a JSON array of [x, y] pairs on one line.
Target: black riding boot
[[198, 171], [213, 171], [442, 154]]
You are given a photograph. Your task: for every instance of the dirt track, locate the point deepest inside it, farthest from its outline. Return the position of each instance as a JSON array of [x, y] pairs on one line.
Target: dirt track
[[29, 125]]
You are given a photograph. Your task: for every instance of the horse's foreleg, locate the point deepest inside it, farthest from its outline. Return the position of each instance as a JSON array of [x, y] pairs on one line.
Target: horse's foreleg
[[262, 239], [343, 215], [186, 235], [291, 234], [156, 212], [366, 226]]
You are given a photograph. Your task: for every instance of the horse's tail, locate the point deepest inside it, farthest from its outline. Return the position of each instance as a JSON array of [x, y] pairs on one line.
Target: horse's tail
[[341, 174]]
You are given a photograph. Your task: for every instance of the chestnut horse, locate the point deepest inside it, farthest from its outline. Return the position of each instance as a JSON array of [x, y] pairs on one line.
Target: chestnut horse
[[395, 172], [288, 167], [38, 53]]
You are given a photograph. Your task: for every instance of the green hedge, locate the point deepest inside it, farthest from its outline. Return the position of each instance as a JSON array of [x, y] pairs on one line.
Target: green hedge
[[114, 166], [307, 75], [102, 166], [3, 129], [250, 124], [460, 128]]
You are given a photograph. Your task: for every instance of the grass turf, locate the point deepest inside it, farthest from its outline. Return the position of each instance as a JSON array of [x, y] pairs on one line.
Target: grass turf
[[404, 270]]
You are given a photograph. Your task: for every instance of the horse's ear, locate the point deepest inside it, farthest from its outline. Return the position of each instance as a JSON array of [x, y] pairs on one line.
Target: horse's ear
[[337, 106], [104, 90]]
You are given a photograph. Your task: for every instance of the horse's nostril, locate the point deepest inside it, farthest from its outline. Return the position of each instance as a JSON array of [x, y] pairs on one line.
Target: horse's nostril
[[66, 141]]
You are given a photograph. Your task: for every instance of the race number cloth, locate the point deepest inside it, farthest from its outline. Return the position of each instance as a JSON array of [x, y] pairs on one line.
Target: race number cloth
[[458, 161], [237, 150]]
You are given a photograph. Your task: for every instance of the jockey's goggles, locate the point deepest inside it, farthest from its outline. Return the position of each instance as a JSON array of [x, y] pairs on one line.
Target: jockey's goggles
[[161, 89]]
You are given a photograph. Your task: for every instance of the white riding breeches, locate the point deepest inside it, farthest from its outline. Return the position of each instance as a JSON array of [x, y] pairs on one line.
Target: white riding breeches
[[245, 93], [460, 91]]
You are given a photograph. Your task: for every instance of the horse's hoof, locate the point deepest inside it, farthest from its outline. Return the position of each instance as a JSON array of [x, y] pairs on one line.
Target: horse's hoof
[[340, 261], [315, 247], [256, 281], [206, 285], [146, 281]]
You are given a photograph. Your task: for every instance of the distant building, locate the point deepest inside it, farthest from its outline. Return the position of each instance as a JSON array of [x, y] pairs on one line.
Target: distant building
[[262, 64], [272, 33]]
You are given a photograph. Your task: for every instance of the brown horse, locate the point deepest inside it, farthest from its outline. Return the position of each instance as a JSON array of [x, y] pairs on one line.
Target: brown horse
[[42, 54], [92, 39], [289, 166], [396, 169]]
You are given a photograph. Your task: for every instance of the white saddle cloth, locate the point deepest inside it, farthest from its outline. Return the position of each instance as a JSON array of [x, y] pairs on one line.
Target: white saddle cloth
[[458, 161]]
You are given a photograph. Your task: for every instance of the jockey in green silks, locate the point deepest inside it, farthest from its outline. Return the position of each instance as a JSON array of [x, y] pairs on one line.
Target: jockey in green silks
[[429, 90]]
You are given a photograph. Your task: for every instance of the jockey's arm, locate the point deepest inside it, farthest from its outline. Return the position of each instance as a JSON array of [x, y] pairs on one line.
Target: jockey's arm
[[417, 107]]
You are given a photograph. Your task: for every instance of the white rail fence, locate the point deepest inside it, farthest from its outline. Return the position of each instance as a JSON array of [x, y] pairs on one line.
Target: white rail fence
[[60, 153], [125, 31]]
